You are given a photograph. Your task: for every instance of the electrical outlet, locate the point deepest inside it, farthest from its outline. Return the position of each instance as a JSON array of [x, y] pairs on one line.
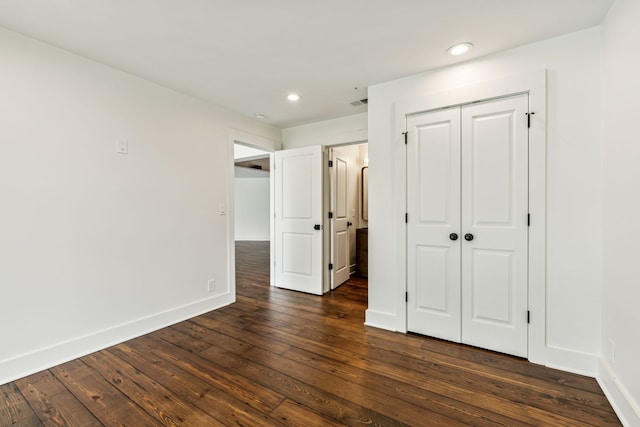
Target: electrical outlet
[[122, 146], [613, 350], [211, 285]]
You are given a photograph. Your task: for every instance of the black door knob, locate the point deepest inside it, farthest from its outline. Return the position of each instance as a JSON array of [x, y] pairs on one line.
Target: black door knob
[[453, 236], [468, 237], [349, 224], [316, 227]]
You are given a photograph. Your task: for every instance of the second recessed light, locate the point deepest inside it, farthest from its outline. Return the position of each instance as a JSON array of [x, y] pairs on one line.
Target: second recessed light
[[293, 97], [459, 49]]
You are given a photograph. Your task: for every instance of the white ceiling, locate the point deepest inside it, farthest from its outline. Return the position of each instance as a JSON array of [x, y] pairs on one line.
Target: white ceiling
[[247, 55]]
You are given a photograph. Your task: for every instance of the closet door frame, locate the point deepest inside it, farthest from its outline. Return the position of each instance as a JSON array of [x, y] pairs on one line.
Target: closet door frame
[[534, 85]]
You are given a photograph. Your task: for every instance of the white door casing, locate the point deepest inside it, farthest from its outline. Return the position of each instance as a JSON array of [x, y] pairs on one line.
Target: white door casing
[[467, 174], [340, 257], [298, 219], [494, 212], [433, 203]]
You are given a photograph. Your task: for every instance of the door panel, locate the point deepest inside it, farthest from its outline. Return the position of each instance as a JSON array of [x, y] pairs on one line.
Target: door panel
[[494, 211], [433, 259], [339, 223], [298, 209]]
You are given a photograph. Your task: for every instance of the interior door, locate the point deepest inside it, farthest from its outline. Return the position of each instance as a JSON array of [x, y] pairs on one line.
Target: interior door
[[340, 221], [298, 223], [467, 230], [433, 224], [495, 216]]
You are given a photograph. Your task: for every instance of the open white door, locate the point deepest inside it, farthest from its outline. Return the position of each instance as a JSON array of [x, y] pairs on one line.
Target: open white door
[[339, 221], [298, 199]]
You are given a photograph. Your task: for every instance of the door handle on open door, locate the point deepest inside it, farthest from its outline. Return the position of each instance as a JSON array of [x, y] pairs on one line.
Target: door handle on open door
[[316, 227], [349, 224]]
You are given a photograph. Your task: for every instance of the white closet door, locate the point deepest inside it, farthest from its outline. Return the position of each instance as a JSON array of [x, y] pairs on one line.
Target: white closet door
[[494, 216], [433, 257], [299, 218]]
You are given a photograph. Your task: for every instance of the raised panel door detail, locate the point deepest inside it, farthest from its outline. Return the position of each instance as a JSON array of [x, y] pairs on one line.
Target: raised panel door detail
[[297, 187], [297, 254], [431, 274], [342, 258], [434, 157], [341, 189], [492, 168], [492, 286]]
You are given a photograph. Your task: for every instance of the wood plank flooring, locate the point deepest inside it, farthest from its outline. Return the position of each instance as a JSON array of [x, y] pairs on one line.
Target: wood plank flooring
[[281, 358]]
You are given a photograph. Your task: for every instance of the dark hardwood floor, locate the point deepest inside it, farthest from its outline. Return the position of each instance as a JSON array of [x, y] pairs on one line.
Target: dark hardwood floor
[[284, 358]]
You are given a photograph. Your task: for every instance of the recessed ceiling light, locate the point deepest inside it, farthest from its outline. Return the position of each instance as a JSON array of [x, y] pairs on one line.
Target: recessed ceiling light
[[459, 49], [260, 116], [293, 97]]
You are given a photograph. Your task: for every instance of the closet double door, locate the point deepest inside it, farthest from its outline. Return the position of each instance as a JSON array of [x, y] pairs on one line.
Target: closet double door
[[467, 230]]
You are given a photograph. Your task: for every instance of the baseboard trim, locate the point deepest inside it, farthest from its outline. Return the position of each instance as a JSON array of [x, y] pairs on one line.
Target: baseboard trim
[[45, 358], [621, 400], [568, 360], [381, 320]]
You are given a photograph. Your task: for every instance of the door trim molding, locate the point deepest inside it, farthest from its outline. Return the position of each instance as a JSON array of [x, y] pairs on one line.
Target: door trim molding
[[535, 85]]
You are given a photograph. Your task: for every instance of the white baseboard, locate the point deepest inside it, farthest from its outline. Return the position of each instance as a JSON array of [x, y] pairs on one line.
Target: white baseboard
[[621, 400], [45, 358], [568, 360], [381, 320]]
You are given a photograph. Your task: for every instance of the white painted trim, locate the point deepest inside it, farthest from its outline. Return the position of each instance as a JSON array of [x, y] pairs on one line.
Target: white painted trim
[[380, 320], [535, 85], [272, 227], [577, 362], [44, 358], [621, 400], [252, 140], [231, 214]]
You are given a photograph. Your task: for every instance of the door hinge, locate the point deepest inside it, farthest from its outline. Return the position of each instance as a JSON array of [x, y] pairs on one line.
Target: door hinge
[[529, 119], [528, 317], [405, 137], [528, 220], [406, 297], [330, 266], [330, 215], [406, 218], [330, 163]]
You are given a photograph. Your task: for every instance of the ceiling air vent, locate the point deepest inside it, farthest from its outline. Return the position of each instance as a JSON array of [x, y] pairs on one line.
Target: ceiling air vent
[[360, 102]]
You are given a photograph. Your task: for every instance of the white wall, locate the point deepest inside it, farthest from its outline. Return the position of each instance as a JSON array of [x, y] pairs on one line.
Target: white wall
[[97, 247], [573, 287], [251, 200], [620, 375]]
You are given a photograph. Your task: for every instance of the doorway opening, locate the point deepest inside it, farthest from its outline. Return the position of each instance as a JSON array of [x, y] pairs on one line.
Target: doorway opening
[[318, 207], [253, 193], [251, 210]]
